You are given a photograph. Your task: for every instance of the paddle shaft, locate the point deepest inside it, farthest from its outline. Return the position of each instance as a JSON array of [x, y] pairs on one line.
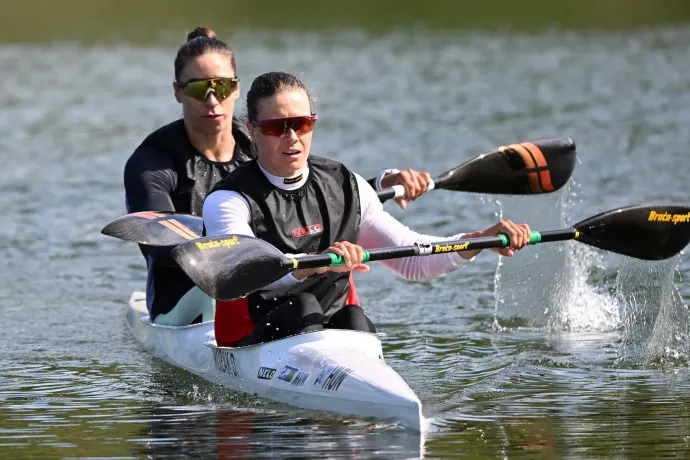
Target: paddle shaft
[[227, 267], [397, 191], [427, 249]]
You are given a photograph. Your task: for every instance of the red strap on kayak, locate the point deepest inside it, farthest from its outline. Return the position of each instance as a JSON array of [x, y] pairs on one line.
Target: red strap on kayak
[[232, 321], [353, 298]]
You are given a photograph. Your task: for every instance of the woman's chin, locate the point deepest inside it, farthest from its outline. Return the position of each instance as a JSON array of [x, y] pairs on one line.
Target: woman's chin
[[286, 166], [211, 127], [295, 164]]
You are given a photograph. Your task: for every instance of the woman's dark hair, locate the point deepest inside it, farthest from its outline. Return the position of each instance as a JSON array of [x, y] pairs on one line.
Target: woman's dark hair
[[200, 41], [270, 84]]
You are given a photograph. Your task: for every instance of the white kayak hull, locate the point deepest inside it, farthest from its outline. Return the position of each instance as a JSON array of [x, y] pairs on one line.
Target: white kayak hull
[[332, 370]]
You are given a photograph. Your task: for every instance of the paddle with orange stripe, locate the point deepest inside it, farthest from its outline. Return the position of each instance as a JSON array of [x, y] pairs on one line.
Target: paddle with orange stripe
[[155, 228], [527, 168]]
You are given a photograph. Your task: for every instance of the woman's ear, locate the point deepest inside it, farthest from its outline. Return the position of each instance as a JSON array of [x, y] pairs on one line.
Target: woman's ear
[[178, 92], [250, 129]]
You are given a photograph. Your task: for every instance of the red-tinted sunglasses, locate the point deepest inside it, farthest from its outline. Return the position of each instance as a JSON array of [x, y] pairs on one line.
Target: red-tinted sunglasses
[[280, 126]]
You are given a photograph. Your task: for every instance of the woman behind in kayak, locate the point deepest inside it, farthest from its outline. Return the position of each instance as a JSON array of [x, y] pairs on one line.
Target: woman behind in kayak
[[176, 166], [307, 204]]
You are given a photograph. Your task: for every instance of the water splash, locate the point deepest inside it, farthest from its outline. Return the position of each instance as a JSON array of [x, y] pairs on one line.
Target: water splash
[[656, 320], [571, 287], [548, 286]]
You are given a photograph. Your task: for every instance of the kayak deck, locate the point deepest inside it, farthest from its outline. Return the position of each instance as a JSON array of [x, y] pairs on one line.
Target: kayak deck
[[333, 370]]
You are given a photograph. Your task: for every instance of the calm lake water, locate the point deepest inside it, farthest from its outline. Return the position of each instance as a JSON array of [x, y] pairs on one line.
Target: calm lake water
[[559, 352]]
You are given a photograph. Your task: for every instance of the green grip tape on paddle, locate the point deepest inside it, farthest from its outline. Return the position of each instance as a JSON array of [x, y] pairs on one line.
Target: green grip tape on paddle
[[338, 260], [535, 237]]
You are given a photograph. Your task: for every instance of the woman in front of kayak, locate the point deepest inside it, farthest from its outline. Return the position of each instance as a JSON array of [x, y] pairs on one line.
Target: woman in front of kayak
[[176, 166], [307, 204]]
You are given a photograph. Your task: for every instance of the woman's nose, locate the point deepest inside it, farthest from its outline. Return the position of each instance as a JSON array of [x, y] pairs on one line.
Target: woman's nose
[[211, 100], [290, 135]]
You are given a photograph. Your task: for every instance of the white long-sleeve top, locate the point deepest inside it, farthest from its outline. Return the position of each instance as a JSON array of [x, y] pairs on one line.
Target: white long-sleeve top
[[227, 212]]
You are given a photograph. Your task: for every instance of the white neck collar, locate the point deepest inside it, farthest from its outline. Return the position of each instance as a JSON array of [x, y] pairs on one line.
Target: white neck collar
[[287, 183]]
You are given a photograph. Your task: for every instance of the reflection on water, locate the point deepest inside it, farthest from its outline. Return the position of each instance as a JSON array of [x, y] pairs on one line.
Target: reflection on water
[[232, 434], [71, 410], [562, 352]]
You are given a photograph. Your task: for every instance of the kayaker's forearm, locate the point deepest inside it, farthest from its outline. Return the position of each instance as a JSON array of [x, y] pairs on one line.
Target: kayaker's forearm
[[379, 229], [468, 255], [149, 180], [303, 273]]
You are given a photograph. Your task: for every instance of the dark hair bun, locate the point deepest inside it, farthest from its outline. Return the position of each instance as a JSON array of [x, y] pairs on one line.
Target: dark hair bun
[[200, 32]]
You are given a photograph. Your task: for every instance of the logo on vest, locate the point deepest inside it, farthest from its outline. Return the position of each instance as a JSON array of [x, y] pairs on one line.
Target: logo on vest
[[293, 180], [308, 230]]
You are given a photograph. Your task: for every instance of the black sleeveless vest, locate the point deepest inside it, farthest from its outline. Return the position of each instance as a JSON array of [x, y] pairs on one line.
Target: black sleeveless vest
[[166, 283], [196, 176], [324, 210]]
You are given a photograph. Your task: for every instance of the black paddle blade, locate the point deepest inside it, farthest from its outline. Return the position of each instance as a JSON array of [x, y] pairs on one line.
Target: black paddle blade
[[649, 232], [528, 168], [227, 267], [155, 228]]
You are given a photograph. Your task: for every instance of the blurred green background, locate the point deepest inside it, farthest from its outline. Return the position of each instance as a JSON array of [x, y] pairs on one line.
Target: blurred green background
[[144, 20]]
